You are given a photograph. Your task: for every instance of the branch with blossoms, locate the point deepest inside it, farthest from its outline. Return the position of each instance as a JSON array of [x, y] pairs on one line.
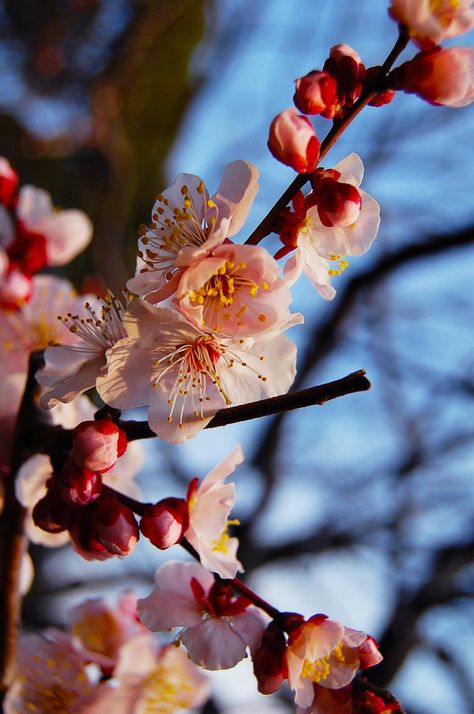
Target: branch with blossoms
[[198, 337]]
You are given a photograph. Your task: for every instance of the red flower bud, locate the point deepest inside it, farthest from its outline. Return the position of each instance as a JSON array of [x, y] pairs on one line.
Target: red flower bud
[[79, 486], [114, 526], [316, 92], [292, 141], [51, 514], [165, 523], [344, 64], [98, 444], [269, 660], [338, 203]]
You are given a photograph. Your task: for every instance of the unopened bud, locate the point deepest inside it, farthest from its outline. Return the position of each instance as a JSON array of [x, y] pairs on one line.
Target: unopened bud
[[79, 486], [292, 140], [338, 203], [315, 93], [345, 65], [269, 660], [114, 526], [165, 523], [440, 76], [98, 444], [51, 514]]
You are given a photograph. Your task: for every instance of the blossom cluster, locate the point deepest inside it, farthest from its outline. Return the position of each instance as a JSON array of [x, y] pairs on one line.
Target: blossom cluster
[[108, 661]]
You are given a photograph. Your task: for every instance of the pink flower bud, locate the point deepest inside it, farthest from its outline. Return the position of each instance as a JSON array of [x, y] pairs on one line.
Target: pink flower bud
[[440, 76], [114, 526], [165, 522], [82, 537], [381, 98], [292, 140], [79, 486], [316, 92], [338, 203], [98, 444], [8, 183]]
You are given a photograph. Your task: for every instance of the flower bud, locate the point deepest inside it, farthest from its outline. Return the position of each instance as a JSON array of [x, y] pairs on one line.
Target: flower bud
[[338, 203], [269, 661], [345, 65], [8, 183], [292, 140], [114, 526], [51, 514], [82, 537], [98, 444], [316, 92], [79, 486], [165, 523], [381, 98], [440, 76]]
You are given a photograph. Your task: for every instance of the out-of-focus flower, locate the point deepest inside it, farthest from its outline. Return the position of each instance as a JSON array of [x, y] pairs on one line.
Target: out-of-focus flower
[[187, 225], [316, 243], [152, 679], [185, 376], [8, 183], [66, 232], [98, 444], [210, 504], [236, 291], [51, 677], [315, 93], [102, 629], [71, 369], [218, 626], [440, 76], [429, 22], [293, 141]]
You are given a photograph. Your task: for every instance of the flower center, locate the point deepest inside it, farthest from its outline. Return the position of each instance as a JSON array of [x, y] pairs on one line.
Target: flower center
[[54, 700], [102, 327], [320, 669], [220, 545], [166, 690]]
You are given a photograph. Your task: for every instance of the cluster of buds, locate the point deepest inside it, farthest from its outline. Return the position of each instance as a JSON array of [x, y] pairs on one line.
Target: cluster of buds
[[99, 525], [330, 93], [33, 235]]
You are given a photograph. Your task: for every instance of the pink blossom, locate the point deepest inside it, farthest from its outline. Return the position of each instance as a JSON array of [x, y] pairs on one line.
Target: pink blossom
[[98, 444], [430, 22], [324, 654], [318, 244], [293, 141], [185, 376], [218, 626], [152, 679], [187, 225], [236, 291], [51, 677], [71, 369], [440, 76], [102, 629], [315, 93], [210, 504], [66, 232]]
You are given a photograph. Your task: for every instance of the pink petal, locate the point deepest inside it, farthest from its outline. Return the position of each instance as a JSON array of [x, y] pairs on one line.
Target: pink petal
[[236, 193]]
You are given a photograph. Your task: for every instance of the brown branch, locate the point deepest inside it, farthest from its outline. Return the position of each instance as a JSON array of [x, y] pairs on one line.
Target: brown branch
[[266, 225], [12, 535]]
